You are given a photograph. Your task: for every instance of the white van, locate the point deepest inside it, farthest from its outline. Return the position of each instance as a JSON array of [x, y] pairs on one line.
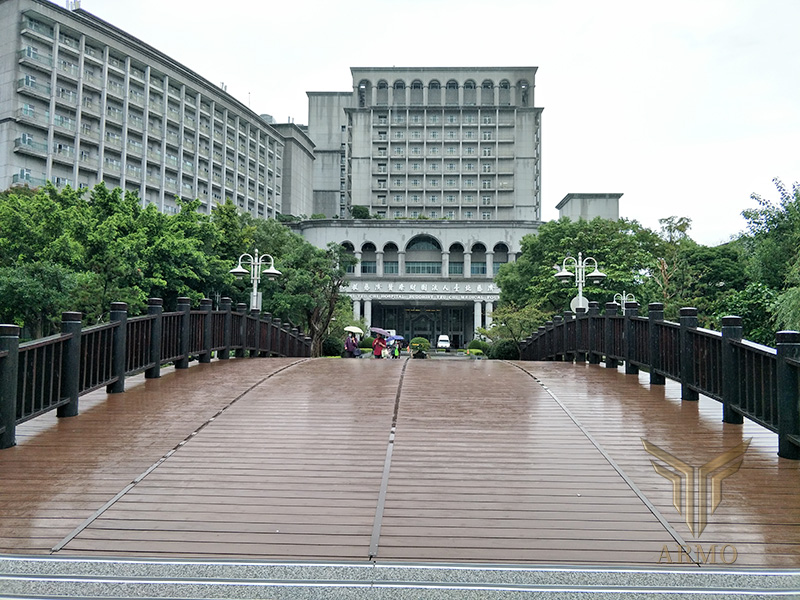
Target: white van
[[443, 342]]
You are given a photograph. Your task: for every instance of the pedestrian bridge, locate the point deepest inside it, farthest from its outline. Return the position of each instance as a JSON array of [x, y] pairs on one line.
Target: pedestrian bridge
[[446, 478]]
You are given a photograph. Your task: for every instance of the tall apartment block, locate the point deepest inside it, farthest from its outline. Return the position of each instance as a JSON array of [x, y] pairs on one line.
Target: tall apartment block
[[458, 143], [84, 102]]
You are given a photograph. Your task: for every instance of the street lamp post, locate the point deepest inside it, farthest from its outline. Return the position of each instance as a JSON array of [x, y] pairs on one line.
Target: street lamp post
[[580, 264], [623, 298], [254, 264]]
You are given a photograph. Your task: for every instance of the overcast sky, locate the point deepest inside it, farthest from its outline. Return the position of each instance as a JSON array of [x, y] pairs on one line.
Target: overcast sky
[[686, 107]]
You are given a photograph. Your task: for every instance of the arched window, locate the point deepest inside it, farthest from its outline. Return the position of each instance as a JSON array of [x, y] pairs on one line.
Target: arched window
[[369, 264], [416, 92], [399, 97], [348, 247], [434, 93], [523, 89], [364, 89], [383, 93], [469, 93], [451, 92], [505, 93], [487, 93], [390, 262], [500, 256], [478, 259], [456, 259], [423, 256]]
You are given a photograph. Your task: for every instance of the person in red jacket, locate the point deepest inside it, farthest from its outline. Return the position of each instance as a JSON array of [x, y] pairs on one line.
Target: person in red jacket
[[378, 346]]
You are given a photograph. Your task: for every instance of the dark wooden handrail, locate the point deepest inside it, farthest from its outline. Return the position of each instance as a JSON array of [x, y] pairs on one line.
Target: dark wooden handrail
[[750, 380], [52, 373]]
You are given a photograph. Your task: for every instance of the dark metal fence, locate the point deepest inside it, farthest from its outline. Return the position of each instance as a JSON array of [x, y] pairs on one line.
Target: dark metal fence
[[748, 379], [52, 373]]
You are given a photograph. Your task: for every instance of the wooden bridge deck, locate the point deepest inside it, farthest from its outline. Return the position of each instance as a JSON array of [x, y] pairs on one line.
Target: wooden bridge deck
[[436, 460]]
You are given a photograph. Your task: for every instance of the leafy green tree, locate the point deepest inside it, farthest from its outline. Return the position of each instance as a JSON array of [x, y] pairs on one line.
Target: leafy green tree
[[513, 322], [359, 212], [624, 250]]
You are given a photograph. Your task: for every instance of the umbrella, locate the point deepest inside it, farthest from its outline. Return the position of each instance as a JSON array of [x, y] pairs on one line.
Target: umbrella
[[394, 338], [383, 332], [354, 329]]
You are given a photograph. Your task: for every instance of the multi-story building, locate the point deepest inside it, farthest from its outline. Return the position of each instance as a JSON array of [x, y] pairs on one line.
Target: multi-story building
[[457, 143], [84, 102], [448, 160]]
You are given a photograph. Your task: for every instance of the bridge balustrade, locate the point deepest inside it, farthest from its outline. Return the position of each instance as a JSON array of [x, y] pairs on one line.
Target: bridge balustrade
[[749, 380], [52, 373]]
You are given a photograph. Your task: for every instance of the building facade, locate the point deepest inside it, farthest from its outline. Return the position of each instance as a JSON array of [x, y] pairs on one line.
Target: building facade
[[448, 160], [457, 143], [84, 102]]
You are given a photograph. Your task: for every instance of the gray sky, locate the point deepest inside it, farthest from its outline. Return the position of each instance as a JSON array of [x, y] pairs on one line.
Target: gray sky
[[687, 107]]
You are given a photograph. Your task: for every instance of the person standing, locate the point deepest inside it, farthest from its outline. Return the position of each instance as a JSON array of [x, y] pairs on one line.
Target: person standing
[[378, 346], [350, 346]]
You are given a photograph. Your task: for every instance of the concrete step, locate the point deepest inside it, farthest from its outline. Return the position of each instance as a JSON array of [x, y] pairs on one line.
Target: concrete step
[[25, 577]]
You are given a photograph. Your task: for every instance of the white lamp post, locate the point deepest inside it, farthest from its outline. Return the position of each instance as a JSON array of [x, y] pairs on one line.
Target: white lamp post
[[254, 265], [580, 264], [622, 298]]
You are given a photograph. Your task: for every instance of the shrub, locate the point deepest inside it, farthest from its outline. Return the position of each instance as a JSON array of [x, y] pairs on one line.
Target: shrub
[[505, 350], [421, 343], [366, 342], [479, 345], [332, 347]]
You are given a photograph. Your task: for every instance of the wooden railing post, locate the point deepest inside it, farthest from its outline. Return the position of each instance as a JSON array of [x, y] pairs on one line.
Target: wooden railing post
[[269, 334], [286, 338], [731, 332], [788, 380], [208, 328], [541, 343], [155, 307], [70, 364], [295, 341], [185, 307], [9, 365], [569, 340], [227, 328], [307, 343], [241, 308], [559, 351], [628, 341], [256, 314], [688, 321], [119, 315], [655, 315], [276, 340], [591, 342], [580, 341], [611, 311], [549, 341]]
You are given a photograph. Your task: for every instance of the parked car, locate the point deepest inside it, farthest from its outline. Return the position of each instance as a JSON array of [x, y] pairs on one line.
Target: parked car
[[443, 342]]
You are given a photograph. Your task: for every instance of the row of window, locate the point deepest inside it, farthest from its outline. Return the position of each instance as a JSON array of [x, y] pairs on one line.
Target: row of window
[[370, 267], [438, 119], [435, 134], [450, 214]]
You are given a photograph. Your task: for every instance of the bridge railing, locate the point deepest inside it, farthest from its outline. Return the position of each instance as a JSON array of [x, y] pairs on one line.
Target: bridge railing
[[749, 380], [52, 373]]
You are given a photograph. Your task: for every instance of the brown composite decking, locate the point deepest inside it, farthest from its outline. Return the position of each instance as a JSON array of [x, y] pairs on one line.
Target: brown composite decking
[[436, 460]]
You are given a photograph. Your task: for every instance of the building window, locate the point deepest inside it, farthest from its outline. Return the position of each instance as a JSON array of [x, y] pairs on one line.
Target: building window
[[433, 167], [487, 151], [396, 214], [414, 215], [434, 135], [397, 182], [416, 166], [433, 150], [450, 214], [423, 267], [486, 216], [486, 184], [370, 266], [468, 214], [469, 167], [416, 135], [487, 168], [434, 215], [450, 183], [450, 198], [487, 135], [456, 268], [399, 135], [451, 150], [478, 268], [415, 182], [397, 198], [469, 150], [392, 267], [486, 200], [469, 183], [433, 198], [451, 166], [398, 151], [415, 198]]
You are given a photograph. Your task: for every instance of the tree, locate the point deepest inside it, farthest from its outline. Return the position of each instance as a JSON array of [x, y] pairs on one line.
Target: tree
[[625, 252], [513, 322], [360, 212]]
